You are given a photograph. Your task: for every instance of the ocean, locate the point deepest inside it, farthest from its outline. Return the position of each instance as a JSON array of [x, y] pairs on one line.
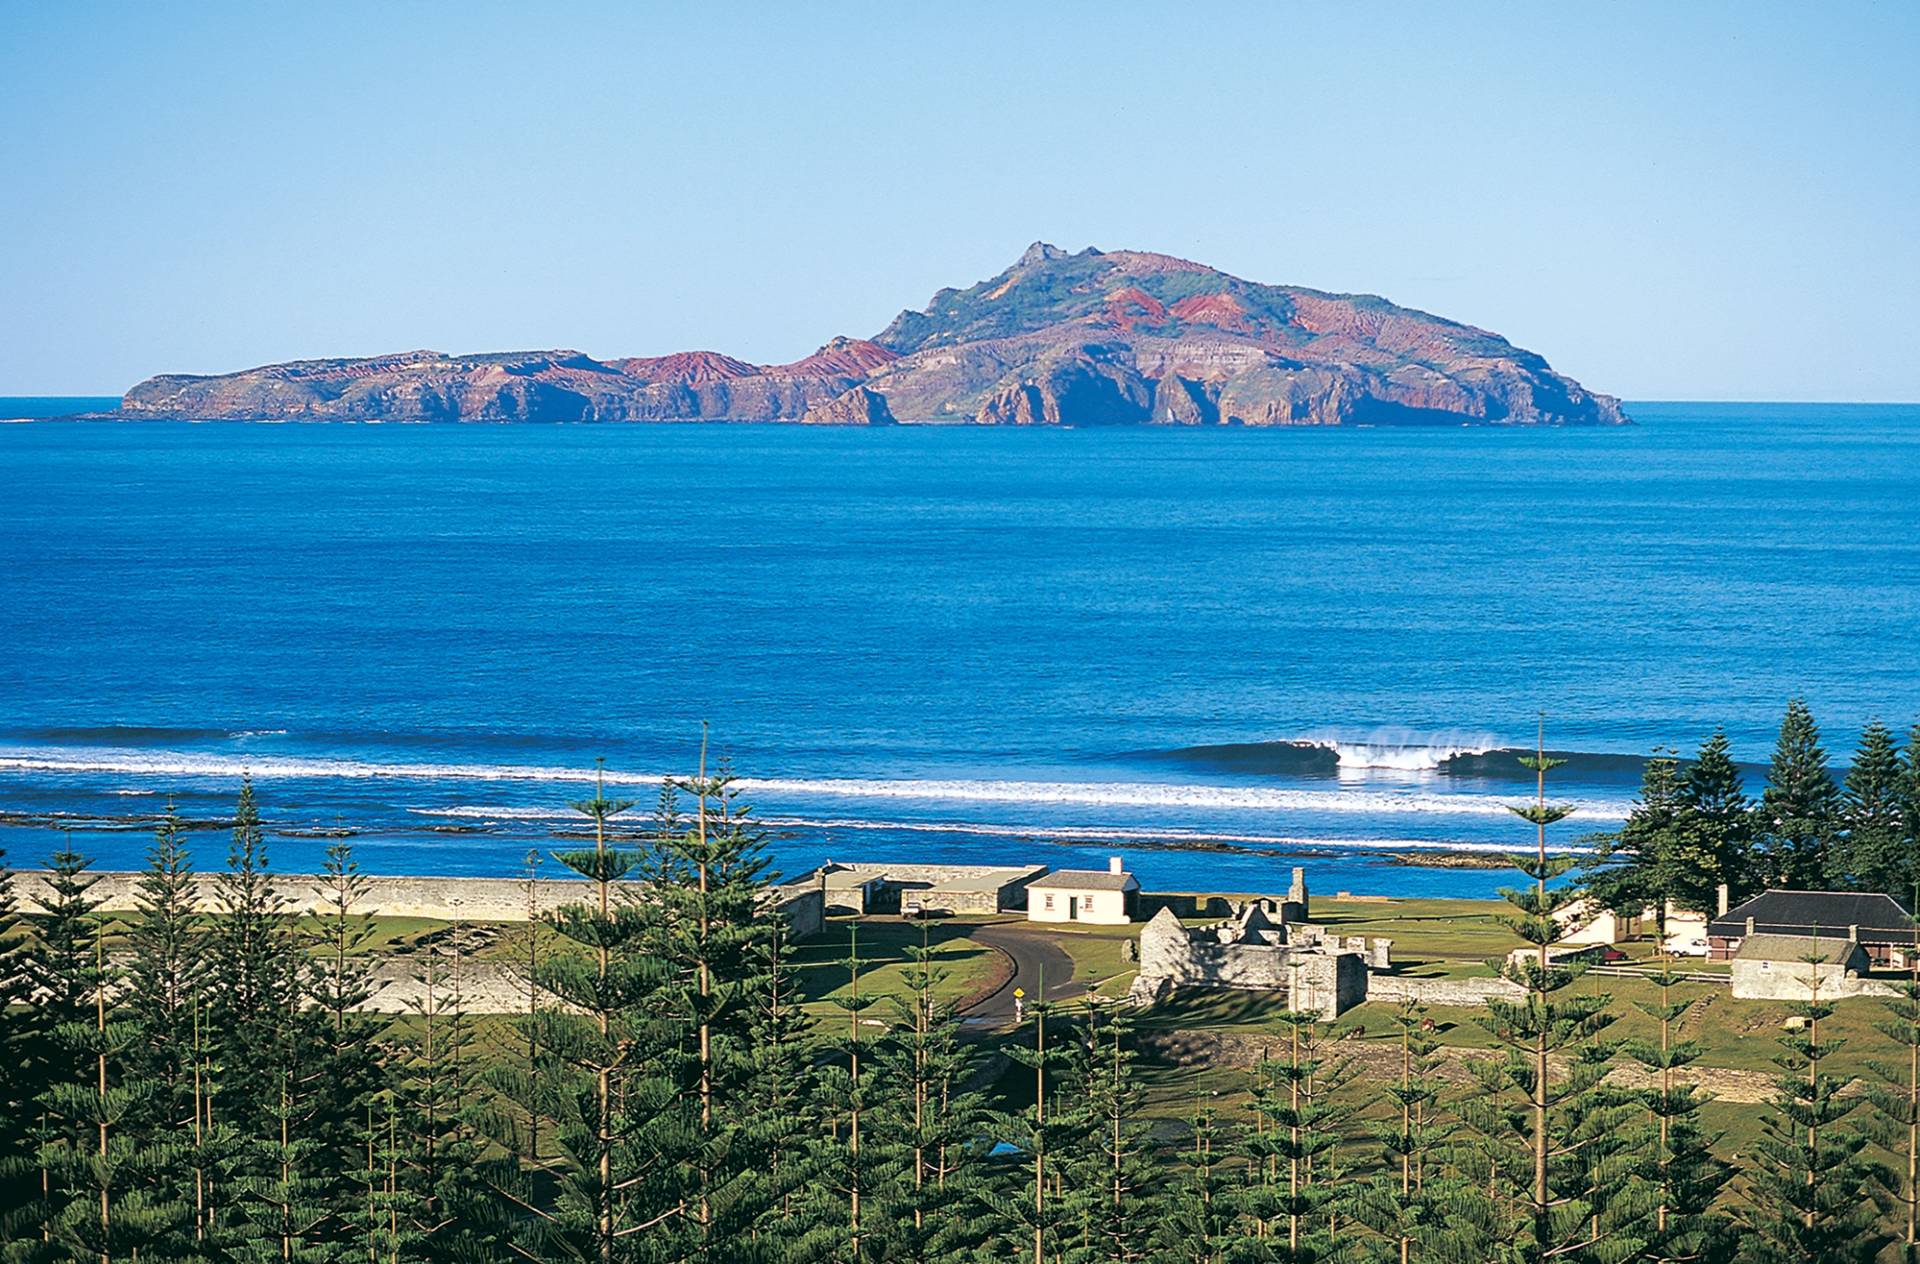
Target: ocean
[[1216, 653]]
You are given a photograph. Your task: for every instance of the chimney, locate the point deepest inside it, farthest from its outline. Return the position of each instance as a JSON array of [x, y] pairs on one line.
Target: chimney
[[1853, 933], [1749, 926], [1113, 865], [1723, 899]]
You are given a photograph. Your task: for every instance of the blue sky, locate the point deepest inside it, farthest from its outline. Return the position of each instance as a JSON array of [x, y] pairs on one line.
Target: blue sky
[[1668, 201]]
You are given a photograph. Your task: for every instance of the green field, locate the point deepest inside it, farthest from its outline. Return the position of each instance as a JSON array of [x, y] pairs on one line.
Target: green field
[[1432, 938], [1457, 939], [826, 976]]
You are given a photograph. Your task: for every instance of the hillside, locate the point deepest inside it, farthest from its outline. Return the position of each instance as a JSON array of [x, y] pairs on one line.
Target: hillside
[[1094, 338]]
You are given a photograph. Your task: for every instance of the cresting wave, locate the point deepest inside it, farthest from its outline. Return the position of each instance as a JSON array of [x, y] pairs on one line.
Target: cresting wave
[[1400, 750], [1059, 793], [1392, 751]]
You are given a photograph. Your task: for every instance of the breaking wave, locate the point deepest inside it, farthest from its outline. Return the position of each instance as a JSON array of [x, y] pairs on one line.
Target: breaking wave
[[1392, 751], [480, 812]]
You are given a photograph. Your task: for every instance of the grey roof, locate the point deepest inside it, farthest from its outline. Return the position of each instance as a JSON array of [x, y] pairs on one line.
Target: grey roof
[[1881, 918], [841, 879], [1832, 950], [983, 880], [1083, 880]]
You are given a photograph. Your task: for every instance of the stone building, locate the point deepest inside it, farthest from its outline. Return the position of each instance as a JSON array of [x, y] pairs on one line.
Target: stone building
[[847, 890], [1880, 924], [859, 887], [1267, 946], [1786, 968]]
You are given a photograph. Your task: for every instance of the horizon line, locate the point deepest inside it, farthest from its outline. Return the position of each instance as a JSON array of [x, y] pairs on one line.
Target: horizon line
[[1624, 399]]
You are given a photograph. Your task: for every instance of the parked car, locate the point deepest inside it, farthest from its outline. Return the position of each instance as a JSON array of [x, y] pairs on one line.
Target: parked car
[[1687, 945]]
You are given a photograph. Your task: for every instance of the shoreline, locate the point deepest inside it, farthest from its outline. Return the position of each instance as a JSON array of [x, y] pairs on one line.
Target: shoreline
[[1443, 855]]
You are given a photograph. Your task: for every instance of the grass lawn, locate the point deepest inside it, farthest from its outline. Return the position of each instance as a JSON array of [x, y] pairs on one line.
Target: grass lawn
[[1733, 1034], [390, 934], [1099, 955], [825, 976], [1431, 938]]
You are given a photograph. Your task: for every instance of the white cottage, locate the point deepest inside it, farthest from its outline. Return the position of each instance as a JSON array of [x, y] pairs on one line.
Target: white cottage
[[1084, 895]]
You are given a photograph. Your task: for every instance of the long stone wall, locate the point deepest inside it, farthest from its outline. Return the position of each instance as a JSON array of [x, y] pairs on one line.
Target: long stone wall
[[440, 899], [1190, 961], [434, 898], [1395, 990]]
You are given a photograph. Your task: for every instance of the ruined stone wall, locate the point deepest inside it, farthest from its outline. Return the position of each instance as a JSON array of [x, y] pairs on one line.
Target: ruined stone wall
[[1186, 905], [1327, 983], [1249, 967], [1460, 992], [1171, 956], [1377, 953]]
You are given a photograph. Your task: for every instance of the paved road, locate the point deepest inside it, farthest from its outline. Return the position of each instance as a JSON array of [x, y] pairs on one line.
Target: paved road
[[1034, 954]]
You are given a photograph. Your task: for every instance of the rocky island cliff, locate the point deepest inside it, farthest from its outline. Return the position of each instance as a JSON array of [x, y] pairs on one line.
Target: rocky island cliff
[[1095, 338]]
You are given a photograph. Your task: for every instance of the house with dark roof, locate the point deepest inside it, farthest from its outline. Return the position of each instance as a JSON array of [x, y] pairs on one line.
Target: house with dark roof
[[1770, 967], [1882, 926]]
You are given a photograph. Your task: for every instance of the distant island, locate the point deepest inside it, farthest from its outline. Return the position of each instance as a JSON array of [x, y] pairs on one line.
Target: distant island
[[1096, 338]]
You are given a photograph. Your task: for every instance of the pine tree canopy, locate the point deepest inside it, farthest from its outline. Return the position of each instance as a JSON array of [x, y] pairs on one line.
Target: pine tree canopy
[[678, 1081]]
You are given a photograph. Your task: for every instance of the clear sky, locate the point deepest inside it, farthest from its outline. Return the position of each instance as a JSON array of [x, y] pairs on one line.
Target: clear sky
[[1666, 200]]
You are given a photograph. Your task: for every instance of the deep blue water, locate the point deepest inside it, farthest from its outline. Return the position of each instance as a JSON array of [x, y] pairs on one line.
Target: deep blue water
[[983, 644], [28, 407]]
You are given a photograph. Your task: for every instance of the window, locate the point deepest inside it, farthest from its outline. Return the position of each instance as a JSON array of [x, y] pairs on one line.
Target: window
[[1049, 903], [1086, 904]]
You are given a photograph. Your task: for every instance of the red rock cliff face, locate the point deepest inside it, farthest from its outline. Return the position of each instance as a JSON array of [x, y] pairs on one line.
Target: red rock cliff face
[[1083, 339]]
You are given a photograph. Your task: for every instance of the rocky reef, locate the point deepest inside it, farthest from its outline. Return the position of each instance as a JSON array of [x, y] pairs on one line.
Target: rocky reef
[[1094, 338]]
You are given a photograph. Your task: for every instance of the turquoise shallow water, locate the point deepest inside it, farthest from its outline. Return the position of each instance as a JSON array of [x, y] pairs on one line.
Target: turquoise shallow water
[[984, 644]]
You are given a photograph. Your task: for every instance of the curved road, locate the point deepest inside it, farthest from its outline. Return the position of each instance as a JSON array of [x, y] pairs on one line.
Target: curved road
[[1034, 954]]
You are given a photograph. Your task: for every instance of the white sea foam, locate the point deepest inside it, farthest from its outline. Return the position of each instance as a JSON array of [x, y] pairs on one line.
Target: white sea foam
[[1150, 795], [1166, 795], [1401, 750], [482, 812], [164, 763]]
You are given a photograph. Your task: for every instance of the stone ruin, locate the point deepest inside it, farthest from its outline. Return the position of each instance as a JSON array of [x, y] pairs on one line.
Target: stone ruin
[[1268, 945]]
